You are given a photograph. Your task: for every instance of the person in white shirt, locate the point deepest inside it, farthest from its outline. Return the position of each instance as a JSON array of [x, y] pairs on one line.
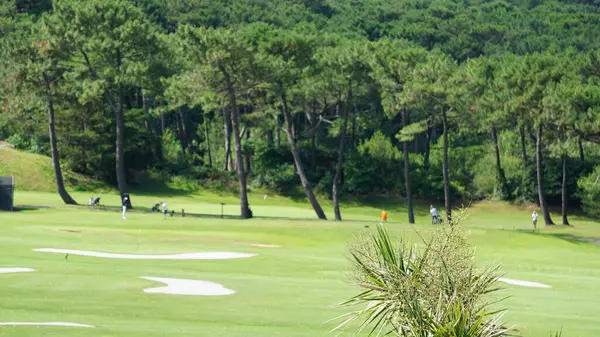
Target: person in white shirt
[[434, 215], [125, 207], [165, 210], [534, 217]]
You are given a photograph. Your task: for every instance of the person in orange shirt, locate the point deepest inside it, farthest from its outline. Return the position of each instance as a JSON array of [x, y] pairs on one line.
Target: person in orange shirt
[[384, 215]]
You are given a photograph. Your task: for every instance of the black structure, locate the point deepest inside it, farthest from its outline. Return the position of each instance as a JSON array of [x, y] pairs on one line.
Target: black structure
[[128, 203], [7, 192]]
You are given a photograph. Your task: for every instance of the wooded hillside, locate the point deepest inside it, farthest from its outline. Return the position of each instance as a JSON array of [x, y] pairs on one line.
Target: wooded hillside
[[434, 100]]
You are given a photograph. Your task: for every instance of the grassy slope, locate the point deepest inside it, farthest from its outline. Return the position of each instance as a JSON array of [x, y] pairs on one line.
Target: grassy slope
[[34, 172]]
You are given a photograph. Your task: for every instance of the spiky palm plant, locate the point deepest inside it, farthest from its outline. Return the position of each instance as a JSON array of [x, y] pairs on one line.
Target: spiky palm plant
[[435, 291]]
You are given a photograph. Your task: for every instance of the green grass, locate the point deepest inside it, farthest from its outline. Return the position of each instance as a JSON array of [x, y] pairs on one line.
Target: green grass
[[287, 291]]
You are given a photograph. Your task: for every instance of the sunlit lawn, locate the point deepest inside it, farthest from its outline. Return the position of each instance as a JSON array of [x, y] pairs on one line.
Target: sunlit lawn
[[285, 291]]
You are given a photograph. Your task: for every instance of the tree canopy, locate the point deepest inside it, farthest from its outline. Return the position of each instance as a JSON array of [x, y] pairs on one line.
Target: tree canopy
[[438, 100]]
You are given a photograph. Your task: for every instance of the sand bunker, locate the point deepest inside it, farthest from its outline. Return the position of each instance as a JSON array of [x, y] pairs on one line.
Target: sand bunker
[[75, 325], [15, 270], [523, 283], [188, 256], [187, 287]]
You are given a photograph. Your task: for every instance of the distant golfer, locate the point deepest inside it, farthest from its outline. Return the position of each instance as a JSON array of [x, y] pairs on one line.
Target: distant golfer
[[534, 217], [384, 215], [434, 215], [165, 210], [125, 207]]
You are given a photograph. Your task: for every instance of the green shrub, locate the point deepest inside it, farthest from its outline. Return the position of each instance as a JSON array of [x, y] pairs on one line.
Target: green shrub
[[589, 192], [433, 291]]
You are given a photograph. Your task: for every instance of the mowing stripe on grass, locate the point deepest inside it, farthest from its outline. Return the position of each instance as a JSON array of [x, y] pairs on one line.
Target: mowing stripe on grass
[[187, 256], [75, 325]]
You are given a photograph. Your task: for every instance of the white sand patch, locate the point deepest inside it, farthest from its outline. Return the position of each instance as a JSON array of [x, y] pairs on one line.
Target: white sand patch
[[75, 325], [188, 256], [264, 245], [523, 283], [177, 286], [15, 270]]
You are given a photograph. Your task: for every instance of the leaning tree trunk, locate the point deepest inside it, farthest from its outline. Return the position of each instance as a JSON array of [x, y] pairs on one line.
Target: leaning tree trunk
[[565, 200], [298, 161], [445, 169], [277, 132], [338, 168], [499, 171], [120, 150], [226, 126], [235, 125], [58, 177], [540, 176], [411, 215]]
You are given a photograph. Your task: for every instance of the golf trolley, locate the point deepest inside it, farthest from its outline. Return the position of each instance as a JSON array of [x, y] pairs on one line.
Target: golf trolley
[[437, 220], [94, 201]]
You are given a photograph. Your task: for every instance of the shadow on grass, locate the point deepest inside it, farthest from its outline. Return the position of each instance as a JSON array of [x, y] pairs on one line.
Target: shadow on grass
[[578, 240], [26, 208], [575, 239]]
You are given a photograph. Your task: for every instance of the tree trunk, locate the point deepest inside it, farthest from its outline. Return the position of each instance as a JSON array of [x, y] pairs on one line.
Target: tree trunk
[[499, 171], [235, 124], [445, 169], [313, 135], [580, 147], [248, 162], [352, 137], [210, 163], [226, 126], [523, 146], [313, 148], [269, 134], [58, 177], [565, 200], [540, 176], [120, 150], [411, 215], [293, 126], [277, 132], [162, 132], [146, 111], [427, 148], [298, 161], [180, 137], [340, 160], [184, 132]]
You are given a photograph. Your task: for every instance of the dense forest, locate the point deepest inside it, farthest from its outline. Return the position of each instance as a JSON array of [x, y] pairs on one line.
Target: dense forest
[[425, 99]]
